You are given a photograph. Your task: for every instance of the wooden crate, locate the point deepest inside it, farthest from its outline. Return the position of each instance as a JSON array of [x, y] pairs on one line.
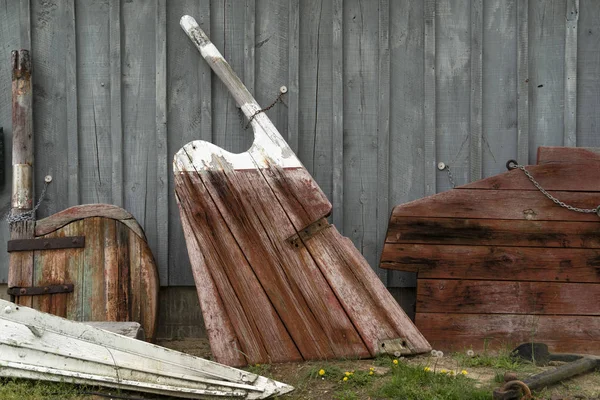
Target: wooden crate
[[498, 263]]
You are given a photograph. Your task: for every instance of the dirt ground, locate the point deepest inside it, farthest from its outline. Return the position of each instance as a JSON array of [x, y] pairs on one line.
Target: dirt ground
[[586, 387]]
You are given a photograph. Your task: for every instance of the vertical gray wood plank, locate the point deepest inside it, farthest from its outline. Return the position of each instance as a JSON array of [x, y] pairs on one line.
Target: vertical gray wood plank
[[547, 74], [162, 192], [337, 50], [189, 109], [249, 45], [570, 111], [11, 25], [407, 118], [93, 132], [383, 132], [227, 27], [453, 58], [116, 121], [476, 132], [138, 68], [72, 106], [272, 59], [588, 71], [361, 41], [500, 85], [49, 52], [293, 74], [316, 85], [24, 22], [430, 103], [523, 81]]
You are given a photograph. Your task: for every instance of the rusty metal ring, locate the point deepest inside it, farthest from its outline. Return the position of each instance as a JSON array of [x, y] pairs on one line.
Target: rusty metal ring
[[511, 164]]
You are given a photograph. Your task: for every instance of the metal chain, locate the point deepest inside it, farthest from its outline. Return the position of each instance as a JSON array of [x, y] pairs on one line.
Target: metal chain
[[450, 177], [513, 165], [277, 100], [28, 215]]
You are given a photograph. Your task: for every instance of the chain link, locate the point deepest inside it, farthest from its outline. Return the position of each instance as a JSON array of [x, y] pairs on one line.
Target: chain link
[[450, 176], [28, 215], [513, 165], [277, 100]]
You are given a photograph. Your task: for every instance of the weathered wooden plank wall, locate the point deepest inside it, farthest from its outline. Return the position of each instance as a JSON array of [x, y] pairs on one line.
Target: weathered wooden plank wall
[[380, 91]]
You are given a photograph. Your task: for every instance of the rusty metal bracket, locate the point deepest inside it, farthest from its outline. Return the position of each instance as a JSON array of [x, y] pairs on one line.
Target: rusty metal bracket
[[40, 290], [69, 242], [308, 232], [395, 347]]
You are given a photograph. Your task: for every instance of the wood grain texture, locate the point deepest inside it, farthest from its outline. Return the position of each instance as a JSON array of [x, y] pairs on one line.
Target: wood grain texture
[[114, 276], [508, 297], [568, 155], [457, 332], [487, 232], [530, 205], [501, 98], [62, 218], [476, 101], [407, 161], [116, 103], [337, 96], [292, 281], [72, 106], [577, 175], [588, 69], [453, 92], [494, 262], [429, 96], [225, 346], [570, 101], [246, 302], [523, 81], [546, 73]]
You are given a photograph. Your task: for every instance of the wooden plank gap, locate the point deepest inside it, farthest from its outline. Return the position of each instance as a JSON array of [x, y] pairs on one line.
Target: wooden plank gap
[[383, 132], [476, 104], [429, 106], [162, 170], [570, 110], [522, 82]]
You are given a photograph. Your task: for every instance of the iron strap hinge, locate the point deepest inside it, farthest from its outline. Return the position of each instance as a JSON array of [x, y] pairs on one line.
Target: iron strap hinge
[[298, 239], [40, 290], [70, 242]]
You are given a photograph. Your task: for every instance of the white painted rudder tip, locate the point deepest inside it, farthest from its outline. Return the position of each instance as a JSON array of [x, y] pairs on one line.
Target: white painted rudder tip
[[188, 23]]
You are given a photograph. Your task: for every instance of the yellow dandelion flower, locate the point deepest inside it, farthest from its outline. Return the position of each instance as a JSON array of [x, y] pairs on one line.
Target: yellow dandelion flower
[[371, 372], [345, 378], [395, 362], [321, 372], [464, 372], [372, 369], [426, 369], [347, 373], [452, 372], [257, 365], [444, 371]]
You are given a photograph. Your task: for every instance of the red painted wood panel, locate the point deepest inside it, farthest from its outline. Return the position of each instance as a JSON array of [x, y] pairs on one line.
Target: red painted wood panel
[[507, 297], [494, 262], [458, 332]]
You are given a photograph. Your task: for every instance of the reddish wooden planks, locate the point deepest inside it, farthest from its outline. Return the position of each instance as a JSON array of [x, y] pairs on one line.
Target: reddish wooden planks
[[569, 334], [494, 262], [507, 297], [114, 276], [498, 261]]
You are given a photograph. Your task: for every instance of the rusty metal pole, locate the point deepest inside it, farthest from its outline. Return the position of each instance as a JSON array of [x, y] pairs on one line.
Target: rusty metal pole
[[22, 225]]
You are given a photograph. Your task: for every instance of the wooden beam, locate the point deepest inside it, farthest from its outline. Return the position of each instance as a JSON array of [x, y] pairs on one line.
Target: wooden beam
[[116, 124], [338, 113], [523, 82], [429, 103], [570, 110], [476, 135]]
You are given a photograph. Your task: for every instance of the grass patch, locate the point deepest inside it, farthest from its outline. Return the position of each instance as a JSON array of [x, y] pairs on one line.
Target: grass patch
[[21, 389], [415, 383]]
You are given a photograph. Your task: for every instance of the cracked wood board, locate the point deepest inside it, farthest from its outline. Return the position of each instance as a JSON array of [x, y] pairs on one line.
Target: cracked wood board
[[276, 298]]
